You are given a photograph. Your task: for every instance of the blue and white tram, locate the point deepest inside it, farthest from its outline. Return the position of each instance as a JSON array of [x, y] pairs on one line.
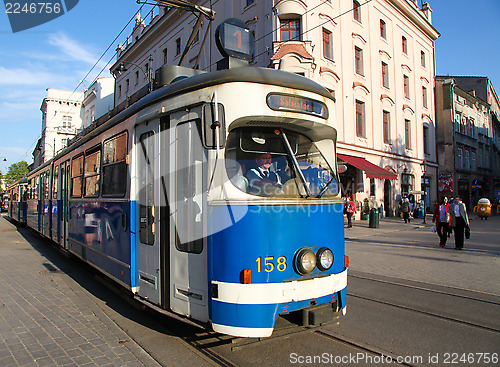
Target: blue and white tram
[[160, 198], [16, 196]]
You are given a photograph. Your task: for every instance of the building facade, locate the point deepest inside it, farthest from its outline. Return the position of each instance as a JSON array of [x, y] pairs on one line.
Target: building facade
[[61, 120], [98, 99], [376, 58], [468, 131]]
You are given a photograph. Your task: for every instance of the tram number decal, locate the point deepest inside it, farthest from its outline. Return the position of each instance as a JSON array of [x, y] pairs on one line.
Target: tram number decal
[[269, 264]]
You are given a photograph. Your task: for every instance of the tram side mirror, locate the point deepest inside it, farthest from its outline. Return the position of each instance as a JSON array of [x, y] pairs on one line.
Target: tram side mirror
[[210, 126], [341, 168]]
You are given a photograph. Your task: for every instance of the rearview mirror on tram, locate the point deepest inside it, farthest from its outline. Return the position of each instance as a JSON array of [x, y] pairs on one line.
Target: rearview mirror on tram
[[210, 126]]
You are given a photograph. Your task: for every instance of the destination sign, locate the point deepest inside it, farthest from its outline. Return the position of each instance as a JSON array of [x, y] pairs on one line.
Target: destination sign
[[286, 102]]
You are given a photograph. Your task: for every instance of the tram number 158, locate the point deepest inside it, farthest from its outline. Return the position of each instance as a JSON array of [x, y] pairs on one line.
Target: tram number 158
[[269, 264]]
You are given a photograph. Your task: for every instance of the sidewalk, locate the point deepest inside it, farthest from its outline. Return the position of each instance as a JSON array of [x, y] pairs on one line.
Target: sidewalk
[[54, 313], [411, 252]]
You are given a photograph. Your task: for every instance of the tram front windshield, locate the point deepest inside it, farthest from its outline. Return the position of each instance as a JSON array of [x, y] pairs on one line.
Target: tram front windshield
[[277, 162]]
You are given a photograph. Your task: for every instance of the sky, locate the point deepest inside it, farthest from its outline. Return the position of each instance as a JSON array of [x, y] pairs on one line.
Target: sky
[[60, 53]]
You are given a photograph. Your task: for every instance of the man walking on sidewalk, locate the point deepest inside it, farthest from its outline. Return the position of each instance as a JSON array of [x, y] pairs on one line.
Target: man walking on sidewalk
[[459, 221]]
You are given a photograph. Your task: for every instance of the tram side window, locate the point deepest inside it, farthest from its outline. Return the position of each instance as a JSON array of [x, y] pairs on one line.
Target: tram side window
[[114, 166], [35, 188], [190, 156], [55, 183], [146, 189], [76, 177], [92, 172], [28, 190], [45, 185], [42, 185]]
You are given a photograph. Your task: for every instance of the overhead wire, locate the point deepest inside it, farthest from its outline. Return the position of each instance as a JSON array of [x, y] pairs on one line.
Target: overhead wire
[[300, 34], [209, 66], [86, 75], [317, 26]]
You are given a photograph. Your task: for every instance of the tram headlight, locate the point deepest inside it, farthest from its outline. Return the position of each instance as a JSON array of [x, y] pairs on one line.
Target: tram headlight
[[306, 261], [325, 258]]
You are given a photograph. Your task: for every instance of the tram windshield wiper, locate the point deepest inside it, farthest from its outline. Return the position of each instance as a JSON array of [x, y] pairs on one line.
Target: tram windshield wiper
[[325, 188], [295, 164]]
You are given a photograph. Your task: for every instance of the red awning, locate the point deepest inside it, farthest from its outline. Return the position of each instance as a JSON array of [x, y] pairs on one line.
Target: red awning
[[371, 170]]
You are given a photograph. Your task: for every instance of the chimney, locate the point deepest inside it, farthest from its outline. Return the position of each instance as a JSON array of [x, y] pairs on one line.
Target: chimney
[[426, 9]]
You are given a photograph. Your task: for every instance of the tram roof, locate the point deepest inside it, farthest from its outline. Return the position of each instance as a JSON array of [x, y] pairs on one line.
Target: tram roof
[[243, 74], [189, 84]]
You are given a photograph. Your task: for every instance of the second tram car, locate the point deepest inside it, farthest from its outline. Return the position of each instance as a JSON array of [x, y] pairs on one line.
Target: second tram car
[[167, 199]]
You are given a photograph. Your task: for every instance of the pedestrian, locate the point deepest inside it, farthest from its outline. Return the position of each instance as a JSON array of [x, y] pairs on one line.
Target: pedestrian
[[459, 221], [441, 218], [405, 208], [350, 209]]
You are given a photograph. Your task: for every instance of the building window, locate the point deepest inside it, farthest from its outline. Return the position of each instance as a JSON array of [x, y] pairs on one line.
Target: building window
[[64, 143], [424, 97], [406, 86], [458, 118], [66, 121], [471, 127], [426, 139], [459, 158], [358, 57], [387, 125], [178, 46], [127, 85], [404, 45], [480, 157], [407, 182], [165, 56], [290, 29], [383, 31], [356, 11], [466, 159], [385, 75], [422, 58], [119, 91], [327, 44], [407, 134], [473, 161], [372, 187], [360, 119], [249, 2], [136, 77]]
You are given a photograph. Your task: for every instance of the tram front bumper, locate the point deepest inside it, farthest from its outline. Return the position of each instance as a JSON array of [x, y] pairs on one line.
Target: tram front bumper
[[250, 310]]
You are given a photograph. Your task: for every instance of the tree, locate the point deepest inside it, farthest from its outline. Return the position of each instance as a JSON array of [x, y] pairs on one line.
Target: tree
[[1, 181], [16, 171]]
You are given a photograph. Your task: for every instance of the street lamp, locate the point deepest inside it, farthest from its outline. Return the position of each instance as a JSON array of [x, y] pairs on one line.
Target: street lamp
[[148, 73], [423, 166]]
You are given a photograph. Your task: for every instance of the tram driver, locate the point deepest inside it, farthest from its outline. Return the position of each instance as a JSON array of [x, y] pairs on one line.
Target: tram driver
[[261, 179]]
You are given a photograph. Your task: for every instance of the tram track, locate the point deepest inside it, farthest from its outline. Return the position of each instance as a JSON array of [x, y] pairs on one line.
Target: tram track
[[427, 289], [421, 310], [362, 346]]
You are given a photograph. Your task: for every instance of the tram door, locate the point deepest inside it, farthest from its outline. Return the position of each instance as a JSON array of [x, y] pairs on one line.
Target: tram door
[[185, 176], [63, 207], [147, 206]]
